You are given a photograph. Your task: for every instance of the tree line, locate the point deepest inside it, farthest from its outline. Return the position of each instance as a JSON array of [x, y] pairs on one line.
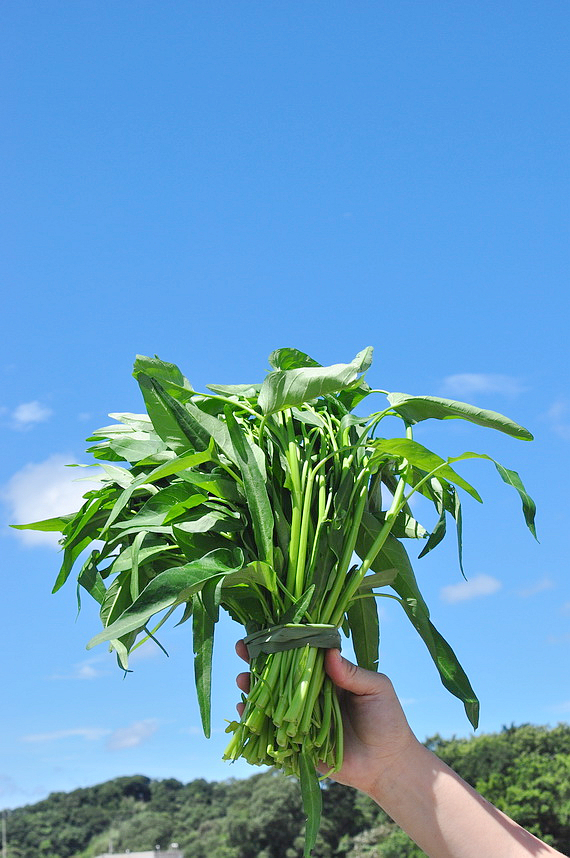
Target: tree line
[[524, 771]]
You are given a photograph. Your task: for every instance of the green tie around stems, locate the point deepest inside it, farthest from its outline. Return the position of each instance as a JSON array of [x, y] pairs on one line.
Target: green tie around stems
[[292, 636]]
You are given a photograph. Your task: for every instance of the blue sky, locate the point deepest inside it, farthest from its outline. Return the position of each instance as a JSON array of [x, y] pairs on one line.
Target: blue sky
[[210, 181]]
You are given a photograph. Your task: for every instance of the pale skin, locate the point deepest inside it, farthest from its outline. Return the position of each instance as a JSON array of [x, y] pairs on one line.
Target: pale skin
[[383, 758]]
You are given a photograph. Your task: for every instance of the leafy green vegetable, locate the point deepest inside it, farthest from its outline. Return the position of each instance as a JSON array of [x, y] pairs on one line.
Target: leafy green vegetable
[[256, 499]]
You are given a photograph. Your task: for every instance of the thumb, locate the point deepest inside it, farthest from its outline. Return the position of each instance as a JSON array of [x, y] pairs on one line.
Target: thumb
[[351, 678]]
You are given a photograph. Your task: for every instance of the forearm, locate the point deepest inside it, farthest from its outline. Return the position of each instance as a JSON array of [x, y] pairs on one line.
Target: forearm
[[446, 817]]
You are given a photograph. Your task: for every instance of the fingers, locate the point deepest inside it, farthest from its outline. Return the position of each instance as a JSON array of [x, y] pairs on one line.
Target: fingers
[[242, 679], [346, 675], [241, 650], [242, 682]]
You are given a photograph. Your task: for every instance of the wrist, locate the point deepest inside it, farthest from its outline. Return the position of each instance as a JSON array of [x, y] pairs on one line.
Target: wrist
[[397, 772]]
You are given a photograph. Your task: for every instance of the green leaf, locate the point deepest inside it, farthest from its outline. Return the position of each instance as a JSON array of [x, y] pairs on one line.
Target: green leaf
[[124, 560], [176, 466], [166, 373], [286, 388], [196, 545], [212, 522], [126, 423], [405, 526], [48, 524], [90, 579], [452, 675], [117, 598], [416, 408], [377, 579], [419, 456], [156, 510], [137, 447], [257, 573], [135, 552], [173, 586], [365, 631], [121, 476], [242, 391], [446, 500], [254, 486], [184, 425], [215, 484], [203, 628], [511, 478], [288, 358], [170, 419], [296, 611], [312, 800], [213, 428], [436, 535]]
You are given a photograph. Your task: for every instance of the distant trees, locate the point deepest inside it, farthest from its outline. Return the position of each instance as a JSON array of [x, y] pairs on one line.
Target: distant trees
[[524, 771]]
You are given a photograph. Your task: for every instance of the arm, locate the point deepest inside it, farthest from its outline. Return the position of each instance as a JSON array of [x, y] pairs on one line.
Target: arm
[[442, 813], [383, 758]]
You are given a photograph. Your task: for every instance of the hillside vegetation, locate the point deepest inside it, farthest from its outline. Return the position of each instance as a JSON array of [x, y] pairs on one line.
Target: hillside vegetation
[[524, 771]]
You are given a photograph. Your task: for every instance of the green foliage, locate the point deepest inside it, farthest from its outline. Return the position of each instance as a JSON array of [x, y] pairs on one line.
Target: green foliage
[[524, 771], [254, 499]]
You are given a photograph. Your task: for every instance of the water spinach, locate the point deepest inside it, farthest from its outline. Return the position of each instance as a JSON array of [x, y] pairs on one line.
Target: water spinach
[[283, 504]]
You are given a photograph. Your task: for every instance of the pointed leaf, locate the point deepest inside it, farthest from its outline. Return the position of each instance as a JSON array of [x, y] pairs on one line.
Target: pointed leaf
[[124, 560], [166, 373], [452, 675], [170, 419], [419, 456], [377, 579], [203, 628], [90, 579], [177, 466], [286, 388], [296, 611], [56, 524], [416, 408], [244, 391], [254, 486], [312, 800], [173, 586], [365, 631], [288, 358], [511, 478]]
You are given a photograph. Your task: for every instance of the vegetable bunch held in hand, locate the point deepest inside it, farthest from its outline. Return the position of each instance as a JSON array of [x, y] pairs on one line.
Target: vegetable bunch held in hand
[[285, 506]]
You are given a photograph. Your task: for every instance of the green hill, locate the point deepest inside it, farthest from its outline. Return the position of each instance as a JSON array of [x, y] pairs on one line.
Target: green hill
[[525, 771]]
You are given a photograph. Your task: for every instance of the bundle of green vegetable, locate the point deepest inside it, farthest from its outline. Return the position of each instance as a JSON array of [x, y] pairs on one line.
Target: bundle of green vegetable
[[280, 504]]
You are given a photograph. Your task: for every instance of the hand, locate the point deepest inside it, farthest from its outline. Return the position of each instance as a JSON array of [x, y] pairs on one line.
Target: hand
[[376, 733]]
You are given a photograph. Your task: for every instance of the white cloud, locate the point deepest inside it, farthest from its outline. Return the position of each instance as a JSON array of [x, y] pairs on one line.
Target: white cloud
[[28, 413], [133, 735], [44, 490], [91, 734], [82, 670], [559, 417], [481, 585], [561, 708], [539, 586], [468, 383]]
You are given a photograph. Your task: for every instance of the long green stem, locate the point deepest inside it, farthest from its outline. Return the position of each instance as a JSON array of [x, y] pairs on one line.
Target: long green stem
[[329, 608], [395, 507], [292, 456]]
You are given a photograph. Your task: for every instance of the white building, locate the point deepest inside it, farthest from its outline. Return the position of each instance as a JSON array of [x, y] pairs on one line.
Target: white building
[[154, 853]]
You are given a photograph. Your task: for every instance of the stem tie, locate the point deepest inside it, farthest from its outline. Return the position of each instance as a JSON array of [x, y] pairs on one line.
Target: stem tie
[[292, 636]]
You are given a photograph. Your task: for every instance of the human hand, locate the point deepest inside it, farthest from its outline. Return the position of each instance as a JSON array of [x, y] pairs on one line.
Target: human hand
[[376, 734]]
